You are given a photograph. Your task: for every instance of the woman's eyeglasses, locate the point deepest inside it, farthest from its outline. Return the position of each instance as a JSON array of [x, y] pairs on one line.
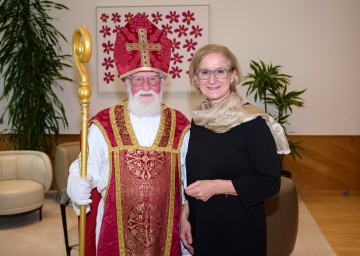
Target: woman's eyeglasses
[[204, 74]]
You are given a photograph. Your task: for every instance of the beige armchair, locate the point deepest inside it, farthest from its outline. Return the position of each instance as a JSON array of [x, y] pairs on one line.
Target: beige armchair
[[25, 177], [65, 154]]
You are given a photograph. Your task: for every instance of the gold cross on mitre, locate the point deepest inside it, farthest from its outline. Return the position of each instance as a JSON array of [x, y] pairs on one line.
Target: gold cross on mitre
[[144, 47]]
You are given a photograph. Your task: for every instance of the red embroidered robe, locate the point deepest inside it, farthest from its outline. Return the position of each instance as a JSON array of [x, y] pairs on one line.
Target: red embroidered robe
[[143, 198]]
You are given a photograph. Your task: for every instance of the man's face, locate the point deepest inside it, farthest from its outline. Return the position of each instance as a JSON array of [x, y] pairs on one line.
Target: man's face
[[146, 84], [145, 93]]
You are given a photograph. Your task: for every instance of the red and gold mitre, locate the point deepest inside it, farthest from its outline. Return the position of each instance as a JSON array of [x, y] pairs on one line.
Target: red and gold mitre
[[141, 46]]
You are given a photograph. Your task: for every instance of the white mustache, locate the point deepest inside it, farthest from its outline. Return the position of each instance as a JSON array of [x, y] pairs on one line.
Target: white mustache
[[144, 92]]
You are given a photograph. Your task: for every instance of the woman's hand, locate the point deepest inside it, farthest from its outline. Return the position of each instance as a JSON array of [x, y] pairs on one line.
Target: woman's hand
[[185, 229], [205, 189], [202, 189]]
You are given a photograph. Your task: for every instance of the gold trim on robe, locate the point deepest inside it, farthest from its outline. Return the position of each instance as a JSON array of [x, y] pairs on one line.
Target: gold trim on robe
[[145, 184]]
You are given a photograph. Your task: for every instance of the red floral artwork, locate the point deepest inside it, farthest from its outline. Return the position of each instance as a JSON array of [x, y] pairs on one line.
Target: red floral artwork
[[175, 45], [181, 30], [116, 29], [167, 29], [116, 18], [173, 17], [105, 31], [108, 47], [156, 17], [108, 63], [175, 72], [108, 77], [104, 17], [177, 58], [196, 31], [190, 45], [188, 17], [129, 16], [183, 25]]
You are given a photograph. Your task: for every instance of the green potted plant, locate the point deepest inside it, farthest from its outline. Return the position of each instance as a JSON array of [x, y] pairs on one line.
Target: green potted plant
[[30, 64], [271, 88]]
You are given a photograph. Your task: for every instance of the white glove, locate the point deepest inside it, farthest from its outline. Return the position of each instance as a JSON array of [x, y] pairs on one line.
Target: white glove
[[80, 190]]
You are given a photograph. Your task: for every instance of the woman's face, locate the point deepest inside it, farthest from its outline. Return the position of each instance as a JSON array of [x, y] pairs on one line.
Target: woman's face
[[215, 89]]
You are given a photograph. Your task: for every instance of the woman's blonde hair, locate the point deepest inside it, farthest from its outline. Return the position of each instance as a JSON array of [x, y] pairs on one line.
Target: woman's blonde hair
[[206, 50]]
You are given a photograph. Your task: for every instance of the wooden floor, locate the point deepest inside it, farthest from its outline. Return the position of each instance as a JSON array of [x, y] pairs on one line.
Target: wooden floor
[[339, 219]]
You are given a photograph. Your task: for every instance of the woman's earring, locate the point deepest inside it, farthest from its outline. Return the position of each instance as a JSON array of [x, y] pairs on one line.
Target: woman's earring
[[233, 86]]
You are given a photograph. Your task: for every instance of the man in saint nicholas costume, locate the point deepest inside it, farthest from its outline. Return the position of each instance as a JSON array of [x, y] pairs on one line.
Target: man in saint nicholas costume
[[136, 156]]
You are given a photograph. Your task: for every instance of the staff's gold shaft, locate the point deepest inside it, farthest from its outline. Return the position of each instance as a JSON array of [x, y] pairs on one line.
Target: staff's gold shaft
[[81, 45]]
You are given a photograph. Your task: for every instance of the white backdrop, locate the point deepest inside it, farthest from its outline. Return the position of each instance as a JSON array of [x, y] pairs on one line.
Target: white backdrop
[[316, 41]]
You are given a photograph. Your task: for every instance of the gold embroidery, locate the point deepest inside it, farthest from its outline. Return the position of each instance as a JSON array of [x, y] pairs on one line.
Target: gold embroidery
[[145, 204], [171, 207], [146, 184], [172, 127], [145, 223], [121, 127], [144, 47], [165, 138], [144, 164], [119, 207]]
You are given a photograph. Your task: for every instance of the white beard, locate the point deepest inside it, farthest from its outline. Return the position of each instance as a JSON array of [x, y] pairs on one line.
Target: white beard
[[142, 108]]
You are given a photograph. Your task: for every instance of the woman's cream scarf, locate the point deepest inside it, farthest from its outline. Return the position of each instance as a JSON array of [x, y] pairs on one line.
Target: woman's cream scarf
[[232, 112]]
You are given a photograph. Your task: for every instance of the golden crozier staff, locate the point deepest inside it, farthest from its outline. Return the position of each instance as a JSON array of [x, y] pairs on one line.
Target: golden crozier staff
[[81, 45]]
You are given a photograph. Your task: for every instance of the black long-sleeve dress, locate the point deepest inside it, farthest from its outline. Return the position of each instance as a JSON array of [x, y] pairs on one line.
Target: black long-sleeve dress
[[246, 155]]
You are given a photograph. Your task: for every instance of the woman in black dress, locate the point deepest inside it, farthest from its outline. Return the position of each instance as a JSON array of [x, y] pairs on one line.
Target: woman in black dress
[[232, 163]]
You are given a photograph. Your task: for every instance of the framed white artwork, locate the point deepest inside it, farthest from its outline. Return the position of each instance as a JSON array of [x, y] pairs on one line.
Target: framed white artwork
[[185, 25]]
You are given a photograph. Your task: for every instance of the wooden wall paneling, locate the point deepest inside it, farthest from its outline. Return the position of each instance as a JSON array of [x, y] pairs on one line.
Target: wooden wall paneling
[[330, 164]]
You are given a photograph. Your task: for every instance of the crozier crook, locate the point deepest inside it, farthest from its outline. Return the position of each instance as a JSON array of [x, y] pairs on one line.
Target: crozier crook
[[81, 47]]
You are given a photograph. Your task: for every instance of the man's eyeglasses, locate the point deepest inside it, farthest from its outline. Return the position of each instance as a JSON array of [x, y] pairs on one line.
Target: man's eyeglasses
[[139, 80], [204, 74]]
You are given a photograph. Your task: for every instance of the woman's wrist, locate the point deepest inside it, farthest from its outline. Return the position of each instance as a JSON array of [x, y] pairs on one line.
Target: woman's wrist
[[226, 188]]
